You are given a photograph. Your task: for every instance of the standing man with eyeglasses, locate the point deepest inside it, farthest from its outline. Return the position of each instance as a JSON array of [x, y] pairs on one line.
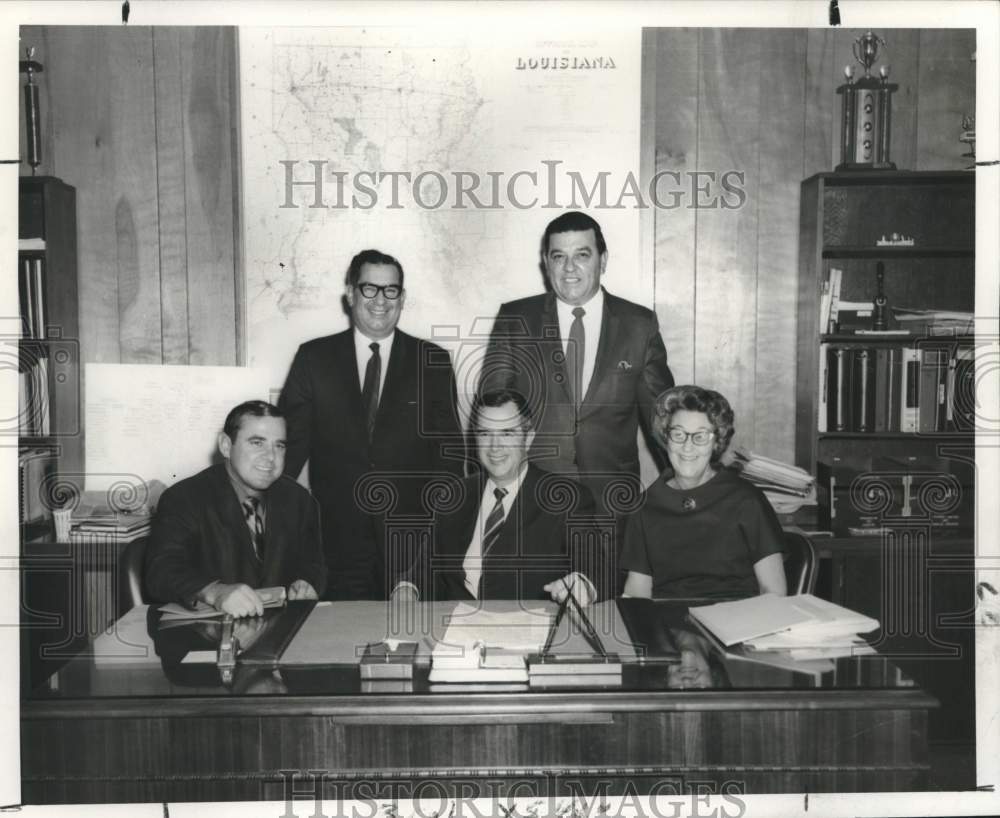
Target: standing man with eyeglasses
[[372, 409]]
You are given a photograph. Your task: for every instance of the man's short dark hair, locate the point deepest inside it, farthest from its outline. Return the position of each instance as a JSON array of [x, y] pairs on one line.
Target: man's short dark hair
[[370, 257], [494, 398], [253, 408], [574, 220]]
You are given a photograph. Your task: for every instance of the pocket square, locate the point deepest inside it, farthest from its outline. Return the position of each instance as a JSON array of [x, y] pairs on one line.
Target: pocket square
[[625, 366]]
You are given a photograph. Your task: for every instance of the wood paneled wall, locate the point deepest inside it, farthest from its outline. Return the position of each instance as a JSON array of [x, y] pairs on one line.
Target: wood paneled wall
[[143, 122], [764, 101]]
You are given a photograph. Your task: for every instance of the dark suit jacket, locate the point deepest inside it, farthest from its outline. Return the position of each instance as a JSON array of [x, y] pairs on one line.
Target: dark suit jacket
[[200, 535], [629, 372], [548, 533], [361, 487]]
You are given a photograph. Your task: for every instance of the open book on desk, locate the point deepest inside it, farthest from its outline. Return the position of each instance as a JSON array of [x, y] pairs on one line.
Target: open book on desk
[[769, 621]]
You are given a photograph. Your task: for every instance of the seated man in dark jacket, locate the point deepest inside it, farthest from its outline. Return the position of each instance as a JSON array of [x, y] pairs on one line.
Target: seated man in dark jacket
[[514, 531], [238, 525]]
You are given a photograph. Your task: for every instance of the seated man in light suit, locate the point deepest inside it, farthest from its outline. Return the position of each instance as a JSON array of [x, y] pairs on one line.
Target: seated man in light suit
[[237, 525], [515, 532]]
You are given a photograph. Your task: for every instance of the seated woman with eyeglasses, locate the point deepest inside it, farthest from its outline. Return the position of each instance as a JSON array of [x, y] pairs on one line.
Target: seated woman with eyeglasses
[[703, 531]]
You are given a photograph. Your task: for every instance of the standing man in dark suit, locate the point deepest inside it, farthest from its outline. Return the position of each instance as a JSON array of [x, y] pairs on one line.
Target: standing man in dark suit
[[237, 526], [515, 531], [592, 363], [371, 408]]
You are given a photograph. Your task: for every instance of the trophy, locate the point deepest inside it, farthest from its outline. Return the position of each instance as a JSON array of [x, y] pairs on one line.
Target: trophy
[[866, 112]]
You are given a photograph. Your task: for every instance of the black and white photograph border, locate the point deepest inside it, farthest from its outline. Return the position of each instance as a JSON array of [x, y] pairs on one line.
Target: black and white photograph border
[[737, 334]]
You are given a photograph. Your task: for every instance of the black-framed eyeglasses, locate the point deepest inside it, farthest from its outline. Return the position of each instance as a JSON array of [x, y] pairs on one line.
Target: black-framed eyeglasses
[[390, 291], [700, 438]]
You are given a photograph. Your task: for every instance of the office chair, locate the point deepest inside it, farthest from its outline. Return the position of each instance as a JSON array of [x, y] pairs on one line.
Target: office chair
[[800, 563], [130, 574]]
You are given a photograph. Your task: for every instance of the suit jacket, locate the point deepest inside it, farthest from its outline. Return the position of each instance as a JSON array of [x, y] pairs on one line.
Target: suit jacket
[[630, 371], [200, 535], [360, 486], [548, 533]]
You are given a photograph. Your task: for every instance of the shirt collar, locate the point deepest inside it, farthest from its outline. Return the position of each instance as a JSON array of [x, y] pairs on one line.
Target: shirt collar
[[512, 488], [596, 304], [242, 495], [362, 343]]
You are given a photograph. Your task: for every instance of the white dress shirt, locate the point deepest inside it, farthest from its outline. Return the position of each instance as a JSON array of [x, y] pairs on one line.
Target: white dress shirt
[[363, 353], [592, 316], [473, 562]]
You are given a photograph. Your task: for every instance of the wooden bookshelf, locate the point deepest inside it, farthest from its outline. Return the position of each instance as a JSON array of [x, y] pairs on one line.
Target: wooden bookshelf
[[843, 215], [51, 412]]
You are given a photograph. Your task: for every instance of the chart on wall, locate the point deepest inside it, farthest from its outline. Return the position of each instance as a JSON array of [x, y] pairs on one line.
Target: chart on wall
[[450, 150]]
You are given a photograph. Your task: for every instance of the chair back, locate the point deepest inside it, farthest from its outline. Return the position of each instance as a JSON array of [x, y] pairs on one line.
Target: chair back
[[130, 574], [800, 563]]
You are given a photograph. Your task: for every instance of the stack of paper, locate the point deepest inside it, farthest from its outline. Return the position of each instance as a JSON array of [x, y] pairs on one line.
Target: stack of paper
[[935, 322], [803, 626], [786, 487], [101, 523], [488, 646]]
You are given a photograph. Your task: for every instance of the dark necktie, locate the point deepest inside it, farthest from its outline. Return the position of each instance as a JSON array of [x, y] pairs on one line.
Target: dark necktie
[[574, 355], [251, 508], [491, 531], [369, 392]]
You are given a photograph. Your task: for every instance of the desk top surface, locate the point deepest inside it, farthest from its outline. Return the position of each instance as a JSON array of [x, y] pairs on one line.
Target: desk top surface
[[121, 671]]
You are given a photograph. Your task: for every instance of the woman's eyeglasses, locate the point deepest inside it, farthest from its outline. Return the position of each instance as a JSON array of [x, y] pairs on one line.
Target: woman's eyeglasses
[[700, 438]]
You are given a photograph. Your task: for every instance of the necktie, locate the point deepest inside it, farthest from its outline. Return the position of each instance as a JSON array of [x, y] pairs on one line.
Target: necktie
[[491, 531], [251, 508], [369, 392], [574, 355]]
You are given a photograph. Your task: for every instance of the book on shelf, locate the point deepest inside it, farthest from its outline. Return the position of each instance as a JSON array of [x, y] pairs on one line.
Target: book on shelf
[[863, 389], [33, 396], [836, 393], [909, 393], [960, 413], [34, 465], [822, 388], [853, 316], [931, 408], [833, 309], [31, 297]]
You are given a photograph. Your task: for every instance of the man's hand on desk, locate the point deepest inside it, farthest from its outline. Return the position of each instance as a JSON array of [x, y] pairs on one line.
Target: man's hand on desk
[[236, 599], [300, 589], [580, 585]]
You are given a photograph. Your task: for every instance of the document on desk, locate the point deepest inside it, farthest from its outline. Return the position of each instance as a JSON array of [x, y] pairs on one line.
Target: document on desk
[[804, 619], [524, 630]]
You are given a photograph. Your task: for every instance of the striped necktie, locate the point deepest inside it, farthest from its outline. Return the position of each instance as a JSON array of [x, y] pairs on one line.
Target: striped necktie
[[251, 508], [491, 531]]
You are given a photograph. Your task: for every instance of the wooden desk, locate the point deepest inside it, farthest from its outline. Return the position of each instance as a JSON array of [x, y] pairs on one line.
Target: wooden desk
[[151, 733]]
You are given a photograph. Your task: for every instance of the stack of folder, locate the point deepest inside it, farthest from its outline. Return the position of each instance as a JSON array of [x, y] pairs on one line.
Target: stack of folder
[[802, 627], [91, 524], [786, 487]]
